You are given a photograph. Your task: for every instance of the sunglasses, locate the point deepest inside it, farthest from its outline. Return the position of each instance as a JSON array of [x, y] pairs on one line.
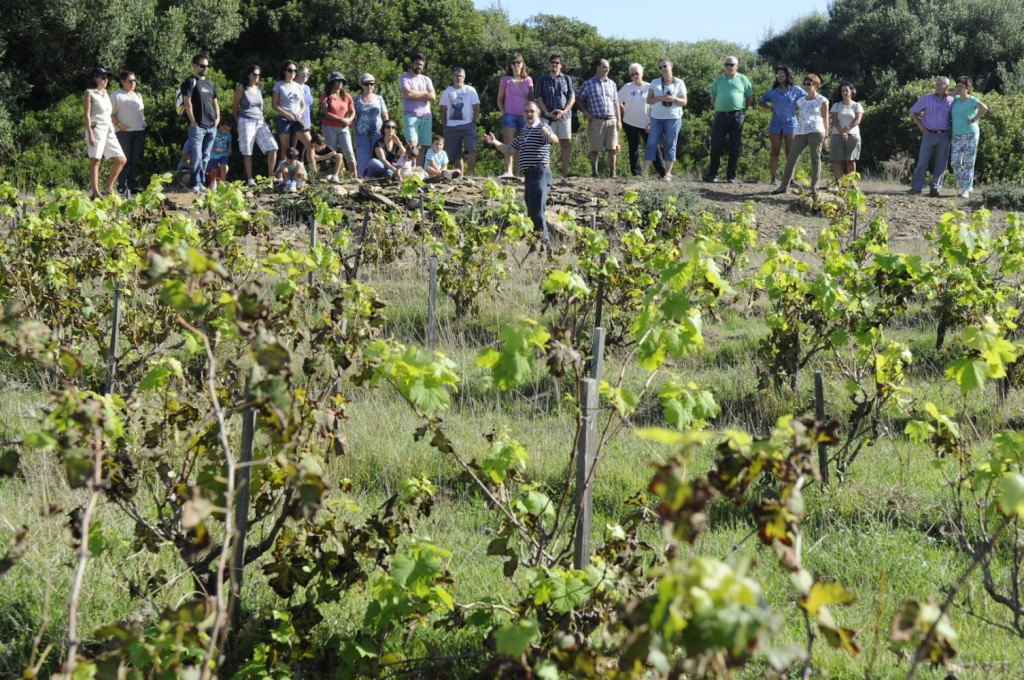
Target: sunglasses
[[727, 64], [369, 84], [390, 127], [808, 82], [130, 80], [291, 70], [634, 73], [203, 65]]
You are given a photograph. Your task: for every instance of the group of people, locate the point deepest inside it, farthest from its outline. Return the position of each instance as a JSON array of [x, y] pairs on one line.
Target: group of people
[[358, 134]]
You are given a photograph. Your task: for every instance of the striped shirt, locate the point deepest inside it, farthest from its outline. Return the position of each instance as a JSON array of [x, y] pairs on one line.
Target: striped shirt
[[534, 148], [600, 97], [936, 111]]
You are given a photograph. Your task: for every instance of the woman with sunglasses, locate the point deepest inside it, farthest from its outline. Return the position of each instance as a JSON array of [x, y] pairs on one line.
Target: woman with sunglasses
[[252, 126], [666, 97], [289, 101], [967, 111], [99, 133], [533, 145], [781, 100], [386, 151], [128, 113], [514, 91], [371, 115], [811, 133], [636, 118]]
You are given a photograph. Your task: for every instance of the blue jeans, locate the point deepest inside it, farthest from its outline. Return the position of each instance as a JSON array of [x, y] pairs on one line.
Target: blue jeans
[[377, 169], [202, 144], [932, 143], [364, 151], [131, 143], [727, 124], [536, 188], [669, 128]]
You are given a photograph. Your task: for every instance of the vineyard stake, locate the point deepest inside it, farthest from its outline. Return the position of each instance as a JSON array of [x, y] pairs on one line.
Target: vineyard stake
[[242, 492], [312, 242], [362, 239], [819, 414], [597, 357], [855, 225], [586, 446], [796, 364], [115, 338], [432, 305]]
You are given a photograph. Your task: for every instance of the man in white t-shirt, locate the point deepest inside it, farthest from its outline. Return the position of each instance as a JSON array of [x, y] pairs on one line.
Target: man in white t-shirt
[[460, 113]]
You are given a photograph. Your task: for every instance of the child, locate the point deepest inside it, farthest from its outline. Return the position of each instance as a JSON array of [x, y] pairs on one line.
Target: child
[[322, 152], [183, 176], [291, 173], [436, 161], [407, 164], [217, 168]]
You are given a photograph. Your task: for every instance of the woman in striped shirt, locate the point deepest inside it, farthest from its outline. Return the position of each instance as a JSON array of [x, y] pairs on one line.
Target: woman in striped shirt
[[534, 146]]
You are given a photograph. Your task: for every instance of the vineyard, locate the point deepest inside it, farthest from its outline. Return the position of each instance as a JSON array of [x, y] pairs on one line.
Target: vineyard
[[315, 438]]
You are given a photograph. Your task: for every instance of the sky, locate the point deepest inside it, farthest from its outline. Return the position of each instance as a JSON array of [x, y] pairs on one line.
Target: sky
[[746, 22]]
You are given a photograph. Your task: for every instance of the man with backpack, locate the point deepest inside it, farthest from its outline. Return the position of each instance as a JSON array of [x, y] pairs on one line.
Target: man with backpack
[[201, 108]]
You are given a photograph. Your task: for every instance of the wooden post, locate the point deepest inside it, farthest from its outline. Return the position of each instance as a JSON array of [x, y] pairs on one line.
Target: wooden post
[[242, 494], [312, 242], [115, 339], [819, 414], [855, 214], [586, 450], [432, 305], [795, 368], [600, 292]]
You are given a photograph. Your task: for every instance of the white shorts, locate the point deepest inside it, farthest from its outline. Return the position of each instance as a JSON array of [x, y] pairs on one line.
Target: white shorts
[[106, 146], [339, 139], [251, 130]]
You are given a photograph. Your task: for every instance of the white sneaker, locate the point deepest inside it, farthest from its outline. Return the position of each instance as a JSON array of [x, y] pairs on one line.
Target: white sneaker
[[334, 179], [198, 189], [213, 185], [250, 182], [965, 194], [507, 175]]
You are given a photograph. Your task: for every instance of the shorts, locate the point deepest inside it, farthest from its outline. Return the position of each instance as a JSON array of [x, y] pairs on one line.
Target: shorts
[[513, 121], [838, 150], [252, 132], [290, 127], [340, 139], [418, 130], [782, 126], [457, 137], [107, 145], [562, 128], [216, 163], [603, 134]]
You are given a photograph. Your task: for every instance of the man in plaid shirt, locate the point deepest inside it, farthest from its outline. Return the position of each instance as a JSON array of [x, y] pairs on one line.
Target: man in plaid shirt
[[599, 98], [555, 97]]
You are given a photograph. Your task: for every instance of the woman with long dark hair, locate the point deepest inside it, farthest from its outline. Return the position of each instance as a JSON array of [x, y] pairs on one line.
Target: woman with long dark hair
[[781, 100]]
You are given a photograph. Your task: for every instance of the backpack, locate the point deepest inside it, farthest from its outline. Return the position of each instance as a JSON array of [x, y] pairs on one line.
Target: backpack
[[179, 101]]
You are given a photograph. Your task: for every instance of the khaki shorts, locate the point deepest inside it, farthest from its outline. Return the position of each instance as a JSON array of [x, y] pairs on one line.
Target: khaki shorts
[[838, 150], [603, 135], [562, 128]]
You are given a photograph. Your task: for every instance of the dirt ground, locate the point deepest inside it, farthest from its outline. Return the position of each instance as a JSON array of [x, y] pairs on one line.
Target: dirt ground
[[909, 217]]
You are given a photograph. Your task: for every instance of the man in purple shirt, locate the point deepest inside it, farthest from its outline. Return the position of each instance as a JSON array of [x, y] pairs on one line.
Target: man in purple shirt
[[417, 93], [931, 114]]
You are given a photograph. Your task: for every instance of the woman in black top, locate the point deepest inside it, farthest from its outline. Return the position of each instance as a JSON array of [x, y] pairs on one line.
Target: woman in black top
[[386, 152]]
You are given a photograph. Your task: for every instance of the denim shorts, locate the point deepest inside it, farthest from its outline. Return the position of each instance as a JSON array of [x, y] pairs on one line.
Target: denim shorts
[[782, 126], [513, 120], [286, 126]]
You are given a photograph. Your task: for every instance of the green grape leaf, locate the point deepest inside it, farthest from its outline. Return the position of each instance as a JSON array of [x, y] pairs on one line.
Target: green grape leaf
[[513, 639], [1010, 495]]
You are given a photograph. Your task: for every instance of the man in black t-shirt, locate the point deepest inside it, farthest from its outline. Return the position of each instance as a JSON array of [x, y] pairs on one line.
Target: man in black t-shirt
[[203, 112]]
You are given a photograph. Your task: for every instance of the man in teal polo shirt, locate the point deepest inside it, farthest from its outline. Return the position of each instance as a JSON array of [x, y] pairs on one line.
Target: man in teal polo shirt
[[731, 94]]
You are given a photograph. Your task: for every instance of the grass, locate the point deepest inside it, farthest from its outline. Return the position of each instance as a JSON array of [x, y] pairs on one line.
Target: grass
[[880, 532]]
